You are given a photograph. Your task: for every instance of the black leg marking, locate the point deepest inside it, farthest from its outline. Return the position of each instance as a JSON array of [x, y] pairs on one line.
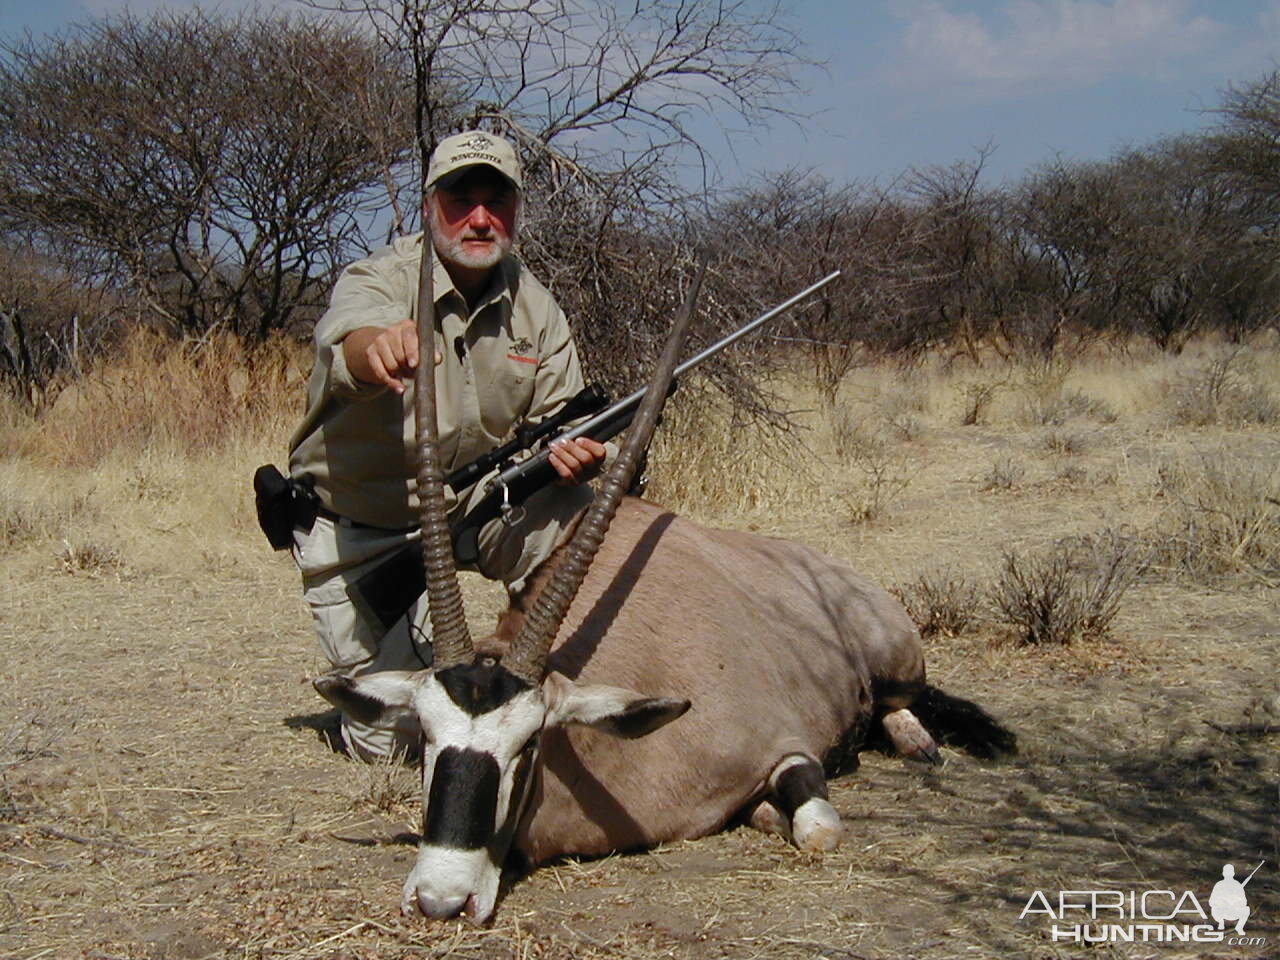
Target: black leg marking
[[799, 784], [463, 802]]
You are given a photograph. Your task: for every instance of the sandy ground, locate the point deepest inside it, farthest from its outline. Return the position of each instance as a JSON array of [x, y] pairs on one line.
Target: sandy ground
[[166, 789]]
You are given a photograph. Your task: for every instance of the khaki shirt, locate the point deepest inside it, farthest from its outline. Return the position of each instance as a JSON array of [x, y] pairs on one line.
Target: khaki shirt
[[509, 360]]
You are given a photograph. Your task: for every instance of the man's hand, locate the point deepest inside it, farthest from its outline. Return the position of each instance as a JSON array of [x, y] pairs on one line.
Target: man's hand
[[384, 355], [576, 460]]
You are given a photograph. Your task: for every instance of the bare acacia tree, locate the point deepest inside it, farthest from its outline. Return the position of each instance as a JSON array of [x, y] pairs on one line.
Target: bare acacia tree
[[215, 167], [1245, 150], [789, 229], [1066, 222], [1246, 146], [966, 273], [604, 101]]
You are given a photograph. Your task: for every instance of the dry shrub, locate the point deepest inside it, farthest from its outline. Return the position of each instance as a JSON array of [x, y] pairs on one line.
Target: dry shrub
[[1071, 475], [1223, 519], [1058, 406], [1005, 474], [1224, 388], [976, 398], [90, 559], [1046, 400], [910, 394], [941, 603], [1069, 593], [155, 391], [1065, 443], [849, 432], [906, 427], [387, 785], [881, 472]]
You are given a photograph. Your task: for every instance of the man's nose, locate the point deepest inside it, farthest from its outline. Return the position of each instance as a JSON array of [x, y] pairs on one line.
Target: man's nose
[[479, 218]]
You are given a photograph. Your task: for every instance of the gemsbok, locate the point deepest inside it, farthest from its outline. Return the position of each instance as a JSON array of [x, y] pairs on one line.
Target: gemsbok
[[648, 686]]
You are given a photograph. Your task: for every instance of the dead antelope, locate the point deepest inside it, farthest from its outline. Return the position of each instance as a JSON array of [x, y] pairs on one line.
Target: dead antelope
[[567, 732]]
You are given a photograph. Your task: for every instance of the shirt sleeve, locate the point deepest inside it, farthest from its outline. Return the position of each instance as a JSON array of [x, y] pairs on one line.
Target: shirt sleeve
[[369, 293]]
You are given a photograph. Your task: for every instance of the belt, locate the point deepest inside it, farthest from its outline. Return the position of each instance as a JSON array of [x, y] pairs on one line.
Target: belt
[[340, 520]]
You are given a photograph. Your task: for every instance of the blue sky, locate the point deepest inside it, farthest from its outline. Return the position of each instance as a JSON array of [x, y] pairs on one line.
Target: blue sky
[[925, 82]]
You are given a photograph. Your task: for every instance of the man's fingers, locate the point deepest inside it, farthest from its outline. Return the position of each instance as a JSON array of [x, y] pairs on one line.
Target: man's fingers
[[561, 465], [577, 460], [593, 447], [379, 370], [386, 360], [409, 345], [573, 455]]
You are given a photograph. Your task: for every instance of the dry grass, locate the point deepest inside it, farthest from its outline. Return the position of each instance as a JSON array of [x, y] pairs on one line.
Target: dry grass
[[1223, 517], [166, 788], [158, 395]]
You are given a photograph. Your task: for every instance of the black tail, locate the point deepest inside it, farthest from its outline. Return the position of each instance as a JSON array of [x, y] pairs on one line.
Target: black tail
[[964, 724]]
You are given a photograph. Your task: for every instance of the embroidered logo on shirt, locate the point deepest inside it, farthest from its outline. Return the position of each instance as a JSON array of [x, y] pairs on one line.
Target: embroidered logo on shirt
[[520, 350]]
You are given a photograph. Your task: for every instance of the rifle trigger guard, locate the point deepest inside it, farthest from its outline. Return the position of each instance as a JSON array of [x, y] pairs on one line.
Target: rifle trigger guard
[[511, 515]]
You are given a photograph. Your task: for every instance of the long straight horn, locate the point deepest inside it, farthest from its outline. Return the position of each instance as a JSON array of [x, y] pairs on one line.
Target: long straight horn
[[450, 637], [527, 658]]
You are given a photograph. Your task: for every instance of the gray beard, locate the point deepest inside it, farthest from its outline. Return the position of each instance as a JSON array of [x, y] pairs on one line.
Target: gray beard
[[452, 251]]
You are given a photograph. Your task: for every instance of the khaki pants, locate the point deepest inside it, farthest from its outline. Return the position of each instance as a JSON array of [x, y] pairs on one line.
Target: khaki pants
[[332, 556]]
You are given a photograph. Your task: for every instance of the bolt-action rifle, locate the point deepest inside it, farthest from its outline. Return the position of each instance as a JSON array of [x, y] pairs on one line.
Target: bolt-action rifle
[[392, 587], [516, 482]]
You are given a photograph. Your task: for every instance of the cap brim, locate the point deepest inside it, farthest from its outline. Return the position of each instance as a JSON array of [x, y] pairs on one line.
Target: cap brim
[[447, 180]]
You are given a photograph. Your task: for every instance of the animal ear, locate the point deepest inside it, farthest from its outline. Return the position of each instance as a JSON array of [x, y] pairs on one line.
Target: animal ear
[[372, 698], [613, 710]]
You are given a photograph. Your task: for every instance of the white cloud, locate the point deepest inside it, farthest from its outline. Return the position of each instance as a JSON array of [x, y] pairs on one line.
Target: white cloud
[[1023, 45]]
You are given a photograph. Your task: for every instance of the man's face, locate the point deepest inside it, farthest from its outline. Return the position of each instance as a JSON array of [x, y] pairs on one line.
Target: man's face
[[473, 219]]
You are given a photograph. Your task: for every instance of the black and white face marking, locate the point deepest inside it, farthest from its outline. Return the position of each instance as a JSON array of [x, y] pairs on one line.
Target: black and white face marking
[[481, 726], [481, 729]]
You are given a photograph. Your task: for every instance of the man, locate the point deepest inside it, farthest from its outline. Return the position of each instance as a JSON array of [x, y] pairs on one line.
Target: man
[[506, 355], [1228, 900]]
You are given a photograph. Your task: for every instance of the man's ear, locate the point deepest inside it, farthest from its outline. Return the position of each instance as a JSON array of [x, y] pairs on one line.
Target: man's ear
[[612, 710], [372, 698]]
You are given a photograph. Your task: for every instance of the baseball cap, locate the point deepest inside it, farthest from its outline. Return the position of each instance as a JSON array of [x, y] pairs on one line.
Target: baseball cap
[[462, 150]]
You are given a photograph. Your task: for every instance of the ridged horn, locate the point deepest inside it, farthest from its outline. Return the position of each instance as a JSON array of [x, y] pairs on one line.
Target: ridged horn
[[527, 657], [450, 637]]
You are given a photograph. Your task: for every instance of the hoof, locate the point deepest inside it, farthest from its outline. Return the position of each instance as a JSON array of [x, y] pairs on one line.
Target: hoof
[[817, 827], [929, 755], [769, 819], [909, 737]]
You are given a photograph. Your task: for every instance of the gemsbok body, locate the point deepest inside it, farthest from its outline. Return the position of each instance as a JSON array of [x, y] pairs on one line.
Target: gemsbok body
[[651, 685]]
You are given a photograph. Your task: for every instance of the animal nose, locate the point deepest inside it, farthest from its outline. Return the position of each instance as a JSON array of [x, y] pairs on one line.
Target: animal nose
[[440, 908]]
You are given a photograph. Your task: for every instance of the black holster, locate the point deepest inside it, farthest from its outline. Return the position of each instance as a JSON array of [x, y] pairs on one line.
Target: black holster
[[284, 504]]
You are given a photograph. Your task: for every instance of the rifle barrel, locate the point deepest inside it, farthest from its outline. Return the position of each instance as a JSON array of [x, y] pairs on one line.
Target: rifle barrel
[[730, 340], [611, 413]]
